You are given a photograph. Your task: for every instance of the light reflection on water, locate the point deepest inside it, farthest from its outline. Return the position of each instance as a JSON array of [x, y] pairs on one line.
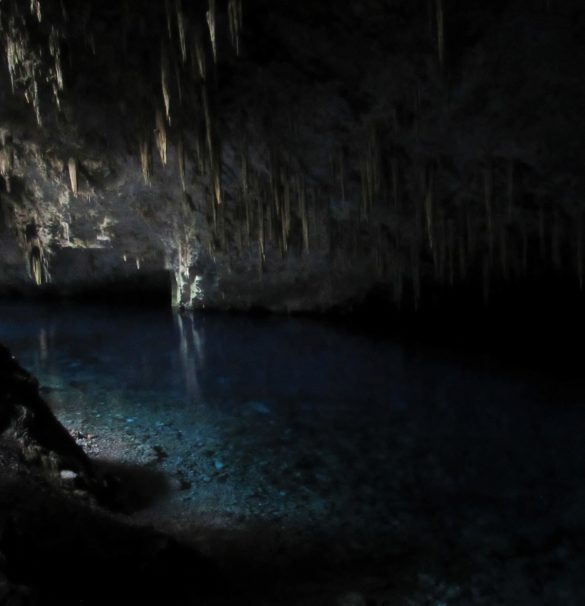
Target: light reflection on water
[[291, 417], [228, 362], [212, 358], [192, 354]]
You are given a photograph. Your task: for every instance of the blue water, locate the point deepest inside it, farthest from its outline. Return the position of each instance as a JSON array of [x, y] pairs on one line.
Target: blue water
[[307, 426]]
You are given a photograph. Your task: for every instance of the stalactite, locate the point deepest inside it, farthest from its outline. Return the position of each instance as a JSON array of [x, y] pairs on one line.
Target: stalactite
[[222, 231], [200, 58], [6, 161], [213, 212], [395, 176], [164, 63], [161, 136], [416, 277], [366, 189], [556, 241], [440, 32], [216, 178], [65, 232], [13, 59], [342, 175], [169, 19], [374, 158], [145, 158], [332, 168], [55, 50], [504, 252], [245, 186], [524, 249], [488, 195], [511, 185], [261, 238], [451, 251], [179, 83], [429, 187], [35, 9], [72, 166], [541, 231], [579, 223], [270, 227], [398, 286], [486, 280], [36, 269], [416, 112], [379, 255], [462, 253], [181, 160], [302, 210], [471, 244], [274, 180], [208, 125], [37, 263], [235, 15], [36, 102], [182, 27], [441, 249], [211, 24], [91, 44], [199, 152], [286, 205]]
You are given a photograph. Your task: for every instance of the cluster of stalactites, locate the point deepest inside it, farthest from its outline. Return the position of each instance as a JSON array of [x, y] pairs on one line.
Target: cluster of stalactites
[[271, 213], [185, 67], [6, 159], [27, 61], [189, 50], [422, 230], [404, 216]]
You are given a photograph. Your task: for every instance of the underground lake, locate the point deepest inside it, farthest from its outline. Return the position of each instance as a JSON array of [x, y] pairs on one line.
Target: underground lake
[[354, 469]]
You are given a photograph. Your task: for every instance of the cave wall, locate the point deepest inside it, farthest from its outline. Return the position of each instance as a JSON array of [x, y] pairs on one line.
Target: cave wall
[[290, 155]]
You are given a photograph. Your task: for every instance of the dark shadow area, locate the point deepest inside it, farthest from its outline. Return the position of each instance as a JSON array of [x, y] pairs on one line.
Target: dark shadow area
[[68, 553], [147, 290], [133, 487], [498, 544], [530, 325]]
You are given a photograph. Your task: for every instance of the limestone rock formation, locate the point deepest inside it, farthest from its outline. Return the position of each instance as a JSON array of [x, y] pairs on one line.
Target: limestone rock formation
[[289, 154]]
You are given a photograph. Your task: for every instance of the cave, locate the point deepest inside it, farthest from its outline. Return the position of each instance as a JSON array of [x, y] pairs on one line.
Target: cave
[[291, 302]]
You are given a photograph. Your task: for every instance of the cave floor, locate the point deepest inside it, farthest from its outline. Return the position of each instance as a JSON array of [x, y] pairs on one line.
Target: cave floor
[[346, 469]]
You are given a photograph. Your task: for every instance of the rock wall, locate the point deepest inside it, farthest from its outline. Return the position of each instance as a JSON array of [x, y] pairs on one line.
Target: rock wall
[[290, 155]]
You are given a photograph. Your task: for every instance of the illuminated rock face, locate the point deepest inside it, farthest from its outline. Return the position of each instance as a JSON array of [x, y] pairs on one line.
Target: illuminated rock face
[[289, 155]]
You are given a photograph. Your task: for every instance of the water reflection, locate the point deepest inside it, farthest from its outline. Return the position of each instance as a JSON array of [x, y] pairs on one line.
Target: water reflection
[[223, 361], [191, 350]]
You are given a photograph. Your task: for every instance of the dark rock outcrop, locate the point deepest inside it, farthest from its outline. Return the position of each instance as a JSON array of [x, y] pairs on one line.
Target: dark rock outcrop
[[58, 548], [28, 419]]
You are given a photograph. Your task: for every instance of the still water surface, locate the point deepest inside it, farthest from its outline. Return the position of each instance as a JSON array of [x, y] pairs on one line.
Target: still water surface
[[307, 426]]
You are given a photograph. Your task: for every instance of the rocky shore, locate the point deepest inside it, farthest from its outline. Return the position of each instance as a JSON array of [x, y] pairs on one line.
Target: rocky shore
[[60, 542]]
